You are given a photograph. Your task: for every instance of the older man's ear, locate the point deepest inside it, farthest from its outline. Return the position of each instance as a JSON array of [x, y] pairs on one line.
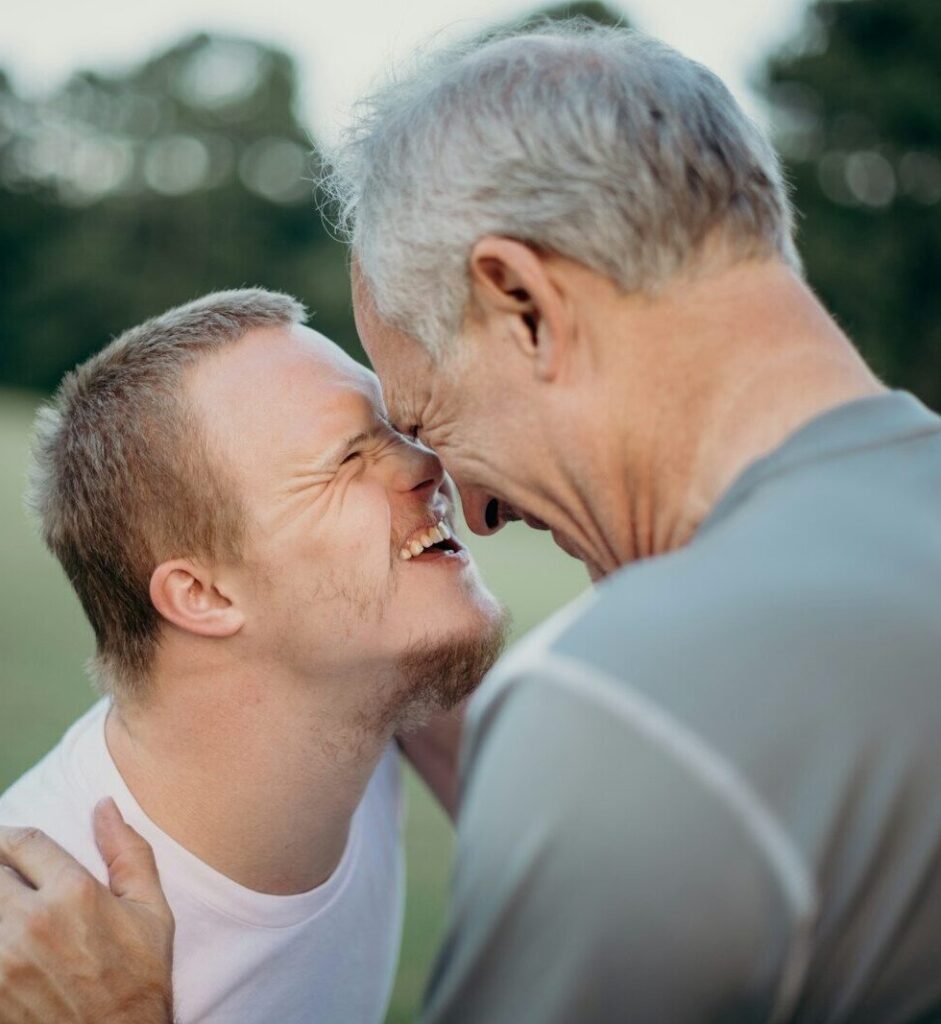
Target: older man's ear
[[192, 597], [526, 292]]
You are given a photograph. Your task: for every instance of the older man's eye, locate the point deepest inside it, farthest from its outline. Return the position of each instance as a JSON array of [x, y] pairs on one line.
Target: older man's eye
[[350, 457]]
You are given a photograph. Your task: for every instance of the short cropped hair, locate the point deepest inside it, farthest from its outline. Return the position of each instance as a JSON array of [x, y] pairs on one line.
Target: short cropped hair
[[122, 477], [599, 144]]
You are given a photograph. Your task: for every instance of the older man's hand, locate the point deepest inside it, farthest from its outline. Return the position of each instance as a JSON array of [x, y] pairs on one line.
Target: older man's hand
[[71, 952]]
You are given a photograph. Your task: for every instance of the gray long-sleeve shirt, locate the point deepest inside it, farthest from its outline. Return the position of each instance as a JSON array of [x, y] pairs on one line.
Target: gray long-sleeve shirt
[[711, 789]]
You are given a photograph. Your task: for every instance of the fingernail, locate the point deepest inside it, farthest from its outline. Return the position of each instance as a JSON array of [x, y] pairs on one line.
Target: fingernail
[[108, 807]]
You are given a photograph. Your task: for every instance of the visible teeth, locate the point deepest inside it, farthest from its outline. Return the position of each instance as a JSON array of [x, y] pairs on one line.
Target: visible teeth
[[434, 535]]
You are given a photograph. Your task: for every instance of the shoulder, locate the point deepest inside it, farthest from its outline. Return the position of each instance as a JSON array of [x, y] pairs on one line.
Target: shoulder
[[574, 731], [796, 586], [43, 799], [587, 812], [53, 796]]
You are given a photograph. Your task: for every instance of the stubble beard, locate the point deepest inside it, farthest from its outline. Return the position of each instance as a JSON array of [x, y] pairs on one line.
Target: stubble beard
[[436, 675], [432, 675]]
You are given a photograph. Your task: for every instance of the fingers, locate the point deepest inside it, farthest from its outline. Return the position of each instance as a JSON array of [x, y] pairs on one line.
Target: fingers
[[12, 889], [131, 867], [34, 855]]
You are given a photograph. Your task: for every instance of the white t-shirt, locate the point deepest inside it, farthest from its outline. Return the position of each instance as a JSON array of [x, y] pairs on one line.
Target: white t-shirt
[[327, 956]]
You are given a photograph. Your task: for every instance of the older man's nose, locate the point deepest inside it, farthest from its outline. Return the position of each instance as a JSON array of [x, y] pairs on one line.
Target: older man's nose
[[481, 511]]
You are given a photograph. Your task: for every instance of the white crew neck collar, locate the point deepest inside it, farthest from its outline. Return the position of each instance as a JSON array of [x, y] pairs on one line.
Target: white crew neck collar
[[197, 879]]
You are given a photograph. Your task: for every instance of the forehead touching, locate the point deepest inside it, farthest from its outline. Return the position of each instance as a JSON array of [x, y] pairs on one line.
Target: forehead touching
[[283, 392], [404, 368]]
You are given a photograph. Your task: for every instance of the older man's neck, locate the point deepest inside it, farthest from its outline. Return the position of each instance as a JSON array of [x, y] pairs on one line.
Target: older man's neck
[[250, 773], [740, 361]]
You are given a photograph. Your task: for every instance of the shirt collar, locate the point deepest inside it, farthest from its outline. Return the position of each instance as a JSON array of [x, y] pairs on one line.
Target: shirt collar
[[870, 422]]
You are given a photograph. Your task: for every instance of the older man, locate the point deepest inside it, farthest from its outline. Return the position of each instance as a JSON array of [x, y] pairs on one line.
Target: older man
[[709, 790], [275, 591]]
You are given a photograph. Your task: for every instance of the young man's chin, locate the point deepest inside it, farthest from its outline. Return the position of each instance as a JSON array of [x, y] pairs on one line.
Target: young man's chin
[[436, 675]]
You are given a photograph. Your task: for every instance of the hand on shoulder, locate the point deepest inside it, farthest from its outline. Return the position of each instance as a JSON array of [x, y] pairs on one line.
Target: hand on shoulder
[[73, 952]]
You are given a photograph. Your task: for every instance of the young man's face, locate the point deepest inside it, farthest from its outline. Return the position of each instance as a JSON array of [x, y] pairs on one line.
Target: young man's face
[[337, 574]]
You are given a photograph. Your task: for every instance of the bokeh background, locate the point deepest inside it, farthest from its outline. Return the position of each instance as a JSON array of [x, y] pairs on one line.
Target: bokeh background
[[144, 162]]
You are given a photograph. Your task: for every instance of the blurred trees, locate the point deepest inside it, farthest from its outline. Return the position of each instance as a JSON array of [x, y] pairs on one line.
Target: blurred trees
[[592, 10], [857, 104], [121, 196]]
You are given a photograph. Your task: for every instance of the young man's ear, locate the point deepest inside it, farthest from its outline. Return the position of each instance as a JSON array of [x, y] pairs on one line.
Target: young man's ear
[[187, 594], [511, 280]]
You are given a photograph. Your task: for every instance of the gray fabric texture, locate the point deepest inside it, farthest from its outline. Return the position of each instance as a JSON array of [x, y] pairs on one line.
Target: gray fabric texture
[[711, 791]]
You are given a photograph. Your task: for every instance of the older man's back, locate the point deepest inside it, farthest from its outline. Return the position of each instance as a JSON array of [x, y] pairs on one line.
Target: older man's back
[[725, 800]]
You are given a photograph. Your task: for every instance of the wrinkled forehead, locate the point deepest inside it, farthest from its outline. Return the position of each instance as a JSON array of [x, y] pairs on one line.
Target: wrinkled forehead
[[405, 370]]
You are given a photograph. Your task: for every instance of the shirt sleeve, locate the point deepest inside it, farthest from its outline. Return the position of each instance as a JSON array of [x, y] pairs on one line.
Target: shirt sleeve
[[598, 880]]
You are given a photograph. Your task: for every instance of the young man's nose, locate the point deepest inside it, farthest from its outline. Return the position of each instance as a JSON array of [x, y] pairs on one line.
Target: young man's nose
[[418, 469]]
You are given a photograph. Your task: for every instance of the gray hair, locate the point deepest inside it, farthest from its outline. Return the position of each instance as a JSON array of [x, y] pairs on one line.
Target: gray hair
[[602, 145], [122, 477]]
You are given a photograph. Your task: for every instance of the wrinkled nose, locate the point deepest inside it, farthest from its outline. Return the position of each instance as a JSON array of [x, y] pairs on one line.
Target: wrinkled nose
[[419, 470]]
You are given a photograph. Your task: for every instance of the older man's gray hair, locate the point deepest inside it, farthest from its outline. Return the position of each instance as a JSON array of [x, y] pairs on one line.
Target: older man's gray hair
[[601, 145]]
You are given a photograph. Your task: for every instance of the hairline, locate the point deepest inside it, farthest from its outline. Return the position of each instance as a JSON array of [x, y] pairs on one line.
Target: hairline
[[186, 336]]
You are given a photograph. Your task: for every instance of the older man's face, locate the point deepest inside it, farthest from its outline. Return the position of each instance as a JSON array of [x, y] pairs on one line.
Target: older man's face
[[473, 411]]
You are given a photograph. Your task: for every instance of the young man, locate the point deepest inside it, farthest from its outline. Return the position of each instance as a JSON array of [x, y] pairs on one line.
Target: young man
[[276, 590]]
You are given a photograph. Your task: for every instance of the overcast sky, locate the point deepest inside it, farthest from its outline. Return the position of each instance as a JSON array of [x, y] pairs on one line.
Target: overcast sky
[[340, 45]]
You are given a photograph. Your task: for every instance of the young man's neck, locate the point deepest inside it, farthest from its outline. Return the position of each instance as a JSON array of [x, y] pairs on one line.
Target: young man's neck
[[251, 773], [738, 362]]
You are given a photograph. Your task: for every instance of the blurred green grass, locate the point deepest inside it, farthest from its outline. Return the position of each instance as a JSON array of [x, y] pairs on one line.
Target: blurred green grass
[[44, 641]]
